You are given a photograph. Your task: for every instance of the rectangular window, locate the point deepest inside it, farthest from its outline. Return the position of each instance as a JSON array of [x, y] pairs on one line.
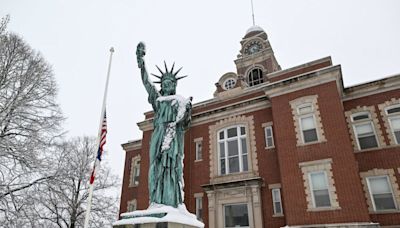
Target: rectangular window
[[276, 200], [232, 146], [381, 193], [269, 137], [365, 135], [236, 216], [199, 208], [199, 150], [319, 189], [136, 173], [395, 125], [308, 129]]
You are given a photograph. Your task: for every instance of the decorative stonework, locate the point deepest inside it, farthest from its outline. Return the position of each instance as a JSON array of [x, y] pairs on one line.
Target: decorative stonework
[[314, 166], [248, 122], [294, 104], [382, 108], [375, 122], [379, 172], [272, 186], [249, 195], [132, 172]]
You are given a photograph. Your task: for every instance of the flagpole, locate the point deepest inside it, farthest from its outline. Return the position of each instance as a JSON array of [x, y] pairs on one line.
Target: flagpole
[[103, 110]]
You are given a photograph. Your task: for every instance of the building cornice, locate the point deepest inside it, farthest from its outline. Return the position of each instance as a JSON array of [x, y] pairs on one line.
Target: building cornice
[[372, 87], [306, 80], [132, 145], [312, 63]]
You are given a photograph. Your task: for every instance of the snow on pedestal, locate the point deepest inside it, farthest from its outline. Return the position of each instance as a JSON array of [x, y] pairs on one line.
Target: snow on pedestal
[[178, 215]]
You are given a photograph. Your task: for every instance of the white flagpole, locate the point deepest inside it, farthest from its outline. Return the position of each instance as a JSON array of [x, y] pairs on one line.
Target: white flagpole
[[103, 109]]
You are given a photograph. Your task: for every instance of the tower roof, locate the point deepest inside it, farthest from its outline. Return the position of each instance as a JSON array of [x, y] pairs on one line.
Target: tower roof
[[253, 30]]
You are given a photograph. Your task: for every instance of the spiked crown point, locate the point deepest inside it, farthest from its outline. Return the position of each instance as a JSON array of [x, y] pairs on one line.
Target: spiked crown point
[[168, 74]]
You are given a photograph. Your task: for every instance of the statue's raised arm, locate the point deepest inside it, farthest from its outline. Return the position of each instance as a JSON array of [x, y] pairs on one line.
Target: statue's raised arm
[[150, 88]]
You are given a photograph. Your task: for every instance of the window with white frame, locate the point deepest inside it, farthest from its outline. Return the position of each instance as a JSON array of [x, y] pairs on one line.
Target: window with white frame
[[199, 150], [381, 193], [364, 130], [269, 137], [276, 200], [232, 150], [307, 123], [236, 215], [199, 208], [319, 189], [393, 114], [136, 172]]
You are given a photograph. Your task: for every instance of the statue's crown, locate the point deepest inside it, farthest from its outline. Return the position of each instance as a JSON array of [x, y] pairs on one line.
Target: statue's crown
[[168, 74]]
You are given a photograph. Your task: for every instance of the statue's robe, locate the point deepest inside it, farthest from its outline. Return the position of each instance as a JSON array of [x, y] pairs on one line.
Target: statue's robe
[[166, 166]]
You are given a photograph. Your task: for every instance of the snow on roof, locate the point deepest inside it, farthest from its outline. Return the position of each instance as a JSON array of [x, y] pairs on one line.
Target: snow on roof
[[253, 29]]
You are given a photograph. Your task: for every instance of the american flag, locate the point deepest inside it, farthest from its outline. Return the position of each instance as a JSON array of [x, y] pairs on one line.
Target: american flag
[[102, 142]]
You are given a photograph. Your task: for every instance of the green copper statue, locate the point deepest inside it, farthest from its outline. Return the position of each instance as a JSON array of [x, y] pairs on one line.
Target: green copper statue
[[172, 116]]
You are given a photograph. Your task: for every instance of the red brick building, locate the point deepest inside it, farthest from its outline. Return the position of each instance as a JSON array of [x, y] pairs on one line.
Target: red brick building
[[284, 147]]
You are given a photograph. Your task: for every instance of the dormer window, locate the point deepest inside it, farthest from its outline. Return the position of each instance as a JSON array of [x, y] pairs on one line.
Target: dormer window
[[229, 83], [255, 77]]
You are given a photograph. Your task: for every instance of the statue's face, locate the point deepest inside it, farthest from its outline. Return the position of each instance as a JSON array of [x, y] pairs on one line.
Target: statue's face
[[168, 87]]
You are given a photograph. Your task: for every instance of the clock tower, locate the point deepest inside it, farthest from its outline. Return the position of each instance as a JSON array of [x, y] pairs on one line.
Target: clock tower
[[256, 59]]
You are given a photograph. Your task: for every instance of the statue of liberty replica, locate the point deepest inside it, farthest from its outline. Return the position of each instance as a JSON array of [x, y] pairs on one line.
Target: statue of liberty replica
[[172, 117]]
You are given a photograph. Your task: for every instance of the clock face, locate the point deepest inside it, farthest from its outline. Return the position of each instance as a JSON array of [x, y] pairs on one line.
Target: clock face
[[253, 47]]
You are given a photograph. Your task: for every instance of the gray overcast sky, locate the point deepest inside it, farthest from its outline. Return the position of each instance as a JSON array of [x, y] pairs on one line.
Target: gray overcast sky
[[202, 36]]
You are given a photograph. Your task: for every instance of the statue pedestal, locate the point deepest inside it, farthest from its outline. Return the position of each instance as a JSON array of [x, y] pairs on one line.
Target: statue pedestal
[[156, 225], [159, 216]]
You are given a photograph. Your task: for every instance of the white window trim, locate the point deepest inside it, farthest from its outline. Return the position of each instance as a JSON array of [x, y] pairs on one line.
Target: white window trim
[[360, 114], [305, 105], [240, 152], [372, 197], [274, 201], [299, 103], [312, 189], [226, 80], [362, 122], [196, 143], [391, 107], [266, 137], [390, 118], [132, 171], [231, 204], [199, 198], [302, 131]]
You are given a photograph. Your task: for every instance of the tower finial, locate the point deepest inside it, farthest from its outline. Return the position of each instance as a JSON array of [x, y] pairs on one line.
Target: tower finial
[[252, 13]]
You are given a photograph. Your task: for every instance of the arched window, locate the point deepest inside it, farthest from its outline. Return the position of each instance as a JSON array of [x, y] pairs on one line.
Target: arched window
[[232, 150], [255, 77]]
